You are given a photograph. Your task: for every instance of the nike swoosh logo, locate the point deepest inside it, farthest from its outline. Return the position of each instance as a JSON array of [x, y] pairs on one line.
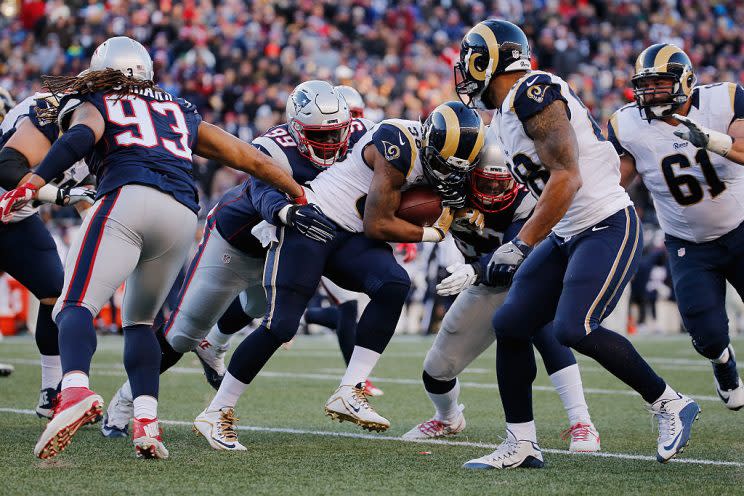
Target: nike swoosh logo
[[400, 138], [671, 445], [224, 444], [356, 409], [533, 81], [595, 228]]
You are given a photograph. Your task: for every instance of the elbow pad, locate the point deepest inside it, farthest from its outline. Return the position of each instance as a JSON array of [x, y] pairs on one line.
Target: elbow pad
[[13, 166]]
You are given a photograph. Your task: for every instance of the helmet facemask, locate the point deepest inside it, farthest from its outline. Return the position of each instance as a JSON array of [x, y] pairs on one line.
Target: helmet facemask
[[324, 145], [492, 188]]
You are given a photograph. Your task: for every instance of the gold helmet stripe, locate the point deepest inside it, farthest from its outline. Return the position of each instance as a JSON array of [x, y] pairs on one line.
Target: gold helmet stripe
[[452, 139], [486, 33], [478, 143], [662, 57]]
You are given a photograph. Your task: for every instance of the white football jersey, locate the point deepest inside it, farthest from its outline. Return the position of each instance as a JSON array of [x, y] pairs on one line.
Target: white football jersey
[[341, 190], [600, 195], [698, 195], [72, 176]]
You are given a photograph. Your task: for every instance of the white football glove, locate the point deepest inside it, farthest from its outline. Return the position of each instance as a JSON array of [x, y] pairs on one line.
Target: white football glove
[[71, 196], [505, 262], [702, 137], [462, 276]]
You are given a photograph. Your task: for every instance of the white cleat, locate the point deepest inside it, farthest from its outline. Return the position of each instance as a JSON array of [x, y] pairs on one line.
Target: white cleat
[[512, 453], [584, 437], [212, 359], [350, 403], [218, 428], [120, 410], [434, 428], [728, 383], [675, 417]]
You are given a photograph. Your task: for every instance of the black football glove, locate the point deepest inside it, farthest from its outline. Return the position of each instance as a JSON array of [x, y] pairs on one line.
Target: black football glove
[[310, 221], [505, 262], [453, 196]]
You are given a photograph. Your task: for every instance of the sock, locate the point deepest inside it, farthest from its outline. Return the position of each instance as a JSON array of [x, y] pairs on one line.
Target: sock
[[523, 431], [218, 338], [360, 366], [668, 394], [47, 334], [615, 353], [168, 356], [126, 391], [77, 339], [51, 371], [228, 394], [723, 358], [377, 323], [567, 382], [75, 379], [516, 370], [234, 318], [145, 407], [444, 395], [346, 328], [252, 354], [142, 360]]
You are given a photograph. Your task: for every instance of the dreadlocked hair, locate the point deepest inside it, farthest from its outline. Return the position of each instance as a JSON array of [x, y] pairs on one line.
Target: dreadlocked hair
[[91, 82]]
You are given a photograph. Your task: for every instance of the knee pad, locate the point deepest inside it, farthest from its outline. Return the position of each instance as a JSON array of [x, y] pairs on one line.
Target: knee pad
[[184, 332], [711, 345], [708, 331], [284, 327], [507, 323], [568, 333], [439, 366]]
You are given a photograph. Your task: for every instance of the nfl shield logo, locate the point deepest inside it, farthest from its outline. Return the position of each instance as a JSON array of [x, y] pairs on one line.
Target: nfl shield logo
[[681, 252]]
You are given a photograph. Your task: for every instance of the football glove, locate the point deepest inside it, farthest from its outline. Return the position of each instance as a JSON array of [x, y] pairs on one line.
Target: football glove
[[470, 218], [71, 196], [505, 262], [16, 199], [702, 137], [310, 221], [439, 230], [461, 277], [453, 195]]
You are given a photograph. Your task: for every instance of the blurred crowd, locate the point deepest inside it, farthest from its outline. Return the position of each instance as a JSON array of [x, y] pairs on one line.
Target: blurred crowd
[[238, 60]]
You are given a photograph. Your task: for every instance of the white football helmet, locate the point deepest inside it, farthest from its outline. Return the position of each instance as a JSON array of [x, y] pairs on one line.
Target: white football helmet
[[492, 187], [125, 55], [318, 119], [353, 99]]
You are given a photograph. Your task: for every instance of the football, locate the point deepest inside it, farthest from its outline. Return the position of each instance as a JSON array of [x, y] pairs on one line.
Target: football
[[420, 205]]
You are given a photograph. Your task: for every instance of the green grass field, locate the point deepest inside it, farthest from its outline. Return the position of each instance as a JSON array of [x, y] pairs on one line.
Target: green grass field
[[294, 449]]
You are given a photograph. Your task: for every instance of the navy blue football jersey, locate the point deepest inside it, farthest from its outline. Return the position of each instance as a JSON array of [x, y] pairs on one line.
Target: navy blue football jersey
[[148, 140], [500, 227], [256, 201]]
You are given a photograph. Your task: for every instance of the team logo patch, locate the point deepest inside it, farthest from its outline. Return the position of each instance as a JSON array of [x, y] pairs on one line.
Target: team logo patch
[[537, 93], [391, 151]]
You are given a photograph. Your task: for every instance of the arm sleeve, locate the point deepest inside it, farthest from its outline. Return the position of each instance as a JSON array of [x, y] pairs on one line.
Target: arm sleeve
[[72, 146], [265, 198]]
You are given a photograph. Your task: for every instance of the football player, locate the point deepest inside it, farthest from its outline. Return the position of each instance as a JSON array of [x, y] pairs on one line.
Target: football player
[[230, 260], [27, 250], [139, 140], [466, 330], [697, 189], [589, 241], [353, 100], [361, 200]]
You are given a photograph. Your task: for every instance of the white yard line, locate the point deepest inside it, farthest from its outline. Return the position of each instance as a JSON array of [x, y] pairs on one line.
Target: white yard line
[[112, 369], [377, 437]]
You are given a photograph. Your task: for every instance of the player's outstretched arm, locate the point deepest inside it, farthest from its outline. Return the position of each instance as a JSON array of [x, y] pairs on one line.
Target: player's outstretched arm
[[558, 151], [383, 200], [214, 143], [729, 144]]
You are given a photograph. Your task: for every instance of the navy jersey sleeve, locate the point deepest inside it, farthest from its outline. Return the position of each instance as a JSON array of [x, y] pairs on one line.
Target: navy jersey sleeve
[[738, 102], [612, 136], [267, 199], [48, 128], [193, 119], [396, 143], [534, 94]]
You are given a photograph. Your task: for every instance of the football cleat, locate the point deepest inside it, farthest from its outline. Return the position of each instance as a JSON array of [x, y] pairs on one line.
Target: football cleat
[[511, 453], [350, 403], [212, 359], [372, 390], [675, 418], [218, 428], [434, 428], [6, 369], [147, 437], [584, 437], [47, 400], [728, 383], [76, 407], [120, 410]]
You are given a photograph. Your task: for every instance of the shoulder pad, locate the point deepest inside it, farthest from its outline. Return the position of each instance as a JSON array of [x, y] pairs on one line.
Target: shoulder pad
[[269, 147], [67, 106], [397, 143], [534, 93]]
